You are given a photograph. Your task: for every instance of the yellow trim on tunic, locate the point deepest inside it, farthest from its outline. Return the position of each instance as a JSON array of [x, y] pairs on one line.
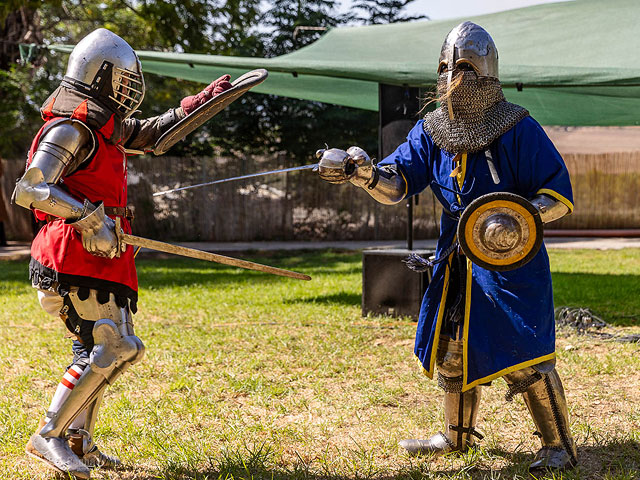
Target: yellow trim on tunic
[[557, 196], [465, 329], [463, 172], [441, 308], [505, 371], [424, 370], [406, 184]]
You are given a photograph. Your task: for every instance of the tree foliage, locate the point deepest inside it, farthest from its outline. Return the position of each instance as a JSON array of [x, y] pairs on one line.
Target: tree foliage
[[384, 11], [256, 123]]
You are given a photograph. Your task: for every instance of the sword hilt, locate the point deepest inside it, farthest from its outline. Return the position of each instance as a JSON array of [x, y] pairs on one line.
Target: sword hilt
[[120, 236]]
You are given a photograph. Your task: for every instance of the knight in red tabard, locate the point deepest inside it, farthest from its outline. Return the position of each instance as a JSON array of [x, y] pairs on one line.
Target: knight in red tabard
[[76, 181]]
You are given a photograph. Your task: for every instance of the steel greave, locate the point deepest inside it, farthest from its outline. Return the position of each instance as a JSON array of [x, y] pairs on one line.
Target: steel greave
[[90, 422], [461, 415], [460, 408], [83, 394], [547, 405]]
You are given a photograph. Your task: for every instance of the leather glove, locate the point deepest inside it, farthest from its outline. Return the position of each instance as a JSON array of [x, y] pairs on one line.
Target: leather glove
[[189, 104]]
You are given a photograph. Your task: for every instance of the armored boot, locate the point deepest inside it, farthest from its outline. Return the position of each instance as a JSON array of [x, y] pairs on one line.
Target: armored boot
[[56, 454], [544, 396], [50, 443], [460, 414]]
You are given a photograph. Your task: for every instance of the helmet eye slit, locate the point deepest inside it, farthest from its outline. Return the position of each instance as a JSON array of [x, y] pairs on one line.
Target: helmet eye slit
[[465, 67], [134, 77]]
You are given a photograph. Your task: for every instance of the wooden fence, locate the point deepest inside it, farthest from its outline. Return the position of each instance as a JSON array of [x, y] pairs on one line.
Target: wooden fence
[[299, 206]]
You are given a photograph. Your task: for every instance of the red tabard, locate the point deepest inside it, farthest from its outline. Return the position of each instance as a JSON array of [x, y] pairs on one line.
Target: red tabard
[[58, 246]]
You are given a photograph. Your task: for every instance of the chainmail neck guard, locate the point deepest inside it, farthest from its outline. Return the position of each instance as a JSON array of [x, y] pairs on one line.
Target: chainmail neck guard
[[481, 114]]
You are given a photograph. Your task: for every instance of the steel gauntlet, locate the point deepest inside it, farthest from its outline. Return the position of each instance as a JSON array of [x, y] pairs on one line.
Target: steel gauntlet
[[384, 184], [97, 231], [340, 166]]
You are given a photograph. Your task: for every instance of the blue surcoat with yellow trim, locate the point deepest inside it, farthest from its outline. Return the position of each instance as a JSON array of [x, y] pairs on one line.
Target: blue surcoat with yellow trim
[[508, 321]]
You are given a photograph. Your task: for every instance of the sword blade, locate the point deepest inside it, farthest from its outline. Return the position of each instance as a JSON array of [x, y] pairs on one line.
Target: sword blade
[[233, 179], [210, 257]]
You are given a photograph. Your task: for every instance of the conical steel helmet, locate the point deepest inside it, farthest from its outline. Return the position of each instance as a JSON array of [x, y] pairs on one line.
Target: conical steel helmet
[[469, 43]]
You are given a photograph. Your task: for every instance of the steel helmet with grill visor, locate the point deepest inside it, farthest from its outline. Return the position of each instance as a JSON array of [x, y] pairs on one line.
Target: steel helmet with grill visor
[[105, 67]]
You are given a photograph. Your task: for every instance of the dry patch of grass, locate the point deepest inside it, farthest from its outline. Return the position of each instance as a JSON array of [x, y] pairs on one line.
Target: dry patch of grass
[[253, 377]]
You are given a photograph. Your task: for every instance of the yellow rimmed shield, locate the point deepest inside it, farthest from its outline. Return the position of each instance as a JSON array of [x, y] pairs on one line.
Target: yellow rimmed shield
[[500, 231]]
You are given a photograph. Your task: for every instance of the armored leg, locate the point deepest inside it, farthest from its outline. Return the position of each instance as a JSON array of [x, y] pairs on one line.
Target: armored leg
[[116, 347], [460, 408], [544, 396]]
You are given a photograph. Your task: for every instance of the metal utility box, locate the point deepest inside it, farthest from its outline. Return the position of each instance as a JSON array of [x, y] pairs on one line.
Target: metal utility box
[[388, 286]]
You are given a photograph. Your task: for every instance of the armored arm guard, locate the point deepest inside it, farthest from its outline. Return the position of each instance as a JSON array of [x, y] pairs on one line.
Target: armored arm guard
[[384, 184], [61, 150], [550, 209], [141, 135]]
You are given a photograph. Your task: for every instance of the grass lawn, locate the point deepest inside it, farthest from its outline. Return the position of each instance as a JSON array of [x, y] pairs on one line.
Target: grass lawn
[[249, 376]]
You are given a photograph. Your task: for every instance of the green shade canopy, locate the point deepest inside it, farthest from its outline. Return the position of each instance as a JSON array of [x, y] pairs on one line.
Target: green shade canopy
[[577, 62]]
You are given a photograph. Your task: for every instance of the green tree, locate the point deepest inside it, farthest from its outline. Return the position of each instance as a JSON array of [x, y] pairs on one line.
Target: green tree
[[197, 26], [300, 126], [256, 123], [275, 125], [284, 16], [19, 23], [384, 11]]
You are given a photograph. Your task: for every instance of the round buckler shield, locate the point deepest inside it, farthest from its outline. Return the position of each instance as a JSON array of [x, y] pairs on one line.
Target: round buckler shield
[[500, 231]]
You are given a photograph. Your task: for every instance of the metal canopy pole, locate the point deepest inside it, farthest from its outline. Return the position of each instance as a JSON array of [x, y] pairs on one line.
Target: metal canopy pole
[[398, 111]]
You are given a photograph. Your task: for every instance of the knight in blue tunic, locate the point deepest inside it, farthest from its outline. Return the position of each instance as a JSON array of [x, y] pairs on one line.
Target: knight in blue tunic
[[477, 324]]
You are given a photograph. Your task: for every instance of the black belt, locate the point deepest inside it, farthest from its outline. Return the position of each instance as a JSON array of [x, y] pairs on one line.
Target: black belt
[[126, 212]]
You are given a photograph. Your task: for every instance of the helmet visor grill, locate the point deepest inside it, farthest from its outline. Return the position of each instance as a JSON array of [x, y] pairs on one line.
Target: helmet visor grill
[[128, 89]]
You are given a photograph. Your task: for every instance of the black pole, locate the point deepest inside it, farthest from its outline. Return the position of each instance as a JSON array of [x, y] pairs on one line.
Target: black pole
[[398, 107], [410, 223]]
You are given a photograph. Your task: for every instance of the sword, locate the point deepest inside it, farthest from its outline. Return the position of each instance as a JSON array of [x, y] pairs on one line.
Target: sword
[[242, 177], [125, 239]]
